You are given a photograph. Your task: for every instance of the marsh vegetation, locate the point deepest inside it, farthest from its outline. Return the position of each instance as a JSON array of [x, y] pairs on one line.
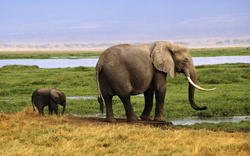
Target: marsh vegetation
[[230, 98]]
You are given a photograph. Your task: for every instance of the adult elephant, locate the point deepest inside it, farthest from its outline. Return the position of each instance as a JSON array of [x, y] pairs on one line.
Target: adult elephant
[[48, 97], [126, 70]]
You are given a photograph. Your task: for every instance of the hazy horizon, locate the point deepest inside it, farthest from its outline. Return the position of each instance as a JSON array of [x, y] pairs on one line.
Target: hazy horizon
[[124, 21], [82, 46]]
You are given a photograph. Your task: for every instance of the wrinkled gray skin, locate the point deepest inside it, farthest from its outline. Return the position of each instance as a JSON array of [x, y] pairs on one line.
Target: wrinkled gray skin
[[126, 70], [48, 97]]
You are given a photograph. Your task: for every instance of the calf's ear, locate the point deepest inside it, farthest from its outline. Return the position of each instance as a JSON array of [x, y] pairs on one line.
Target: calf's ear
[[55, 95]]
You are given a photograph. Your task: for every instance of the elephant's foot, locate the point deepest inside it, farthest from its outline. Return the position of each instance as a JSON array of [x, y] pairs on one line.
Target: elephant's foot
[[145, 117], [159, 118], [110, 119], [132, 118]]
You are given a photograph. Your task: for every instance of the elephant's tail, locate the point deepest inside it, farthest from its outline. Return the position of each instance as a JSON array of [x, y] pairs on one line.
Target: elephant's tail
[[32, 101], [100, 98]]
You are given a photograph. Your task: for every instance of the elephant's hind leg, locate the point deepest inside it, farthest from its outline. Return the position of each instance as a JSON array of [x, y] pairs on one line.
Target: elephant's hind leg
[[40, 110], [131, 117], [109, 110], [39, 106]]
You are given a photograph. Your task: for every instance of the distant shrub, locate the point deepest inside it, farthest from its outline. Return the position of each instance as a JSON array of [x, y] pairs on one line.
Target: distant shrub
[[19, 67], [213, 81]]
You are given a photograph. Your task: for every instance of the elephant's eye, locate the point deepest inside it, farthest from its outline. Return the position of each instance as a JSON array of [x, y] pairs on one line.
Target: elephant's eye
[[185, 60]]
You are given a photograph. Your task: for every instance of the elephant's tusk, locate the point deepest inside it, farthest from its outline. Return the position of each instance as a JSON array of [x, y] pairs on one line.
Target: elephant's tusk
[[198, 87]]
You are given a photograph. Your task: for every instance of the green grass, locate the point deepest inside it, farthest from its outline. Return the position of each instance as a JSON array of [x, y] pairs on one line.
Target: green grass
[[230, 98], [50, 55], [210, 52]]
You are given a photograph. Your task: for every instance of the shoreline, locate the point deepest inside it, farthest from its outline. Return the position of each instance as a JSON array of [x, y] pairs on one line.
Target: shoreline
[[95, 50]]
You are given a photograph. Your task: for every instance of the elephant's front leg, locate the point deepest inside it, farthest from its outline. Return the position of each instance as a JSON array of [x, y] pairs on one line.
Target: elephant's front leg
[[54, 107], [160, 92], [128, 108], [50, 110], [160, 96], [148, 99]]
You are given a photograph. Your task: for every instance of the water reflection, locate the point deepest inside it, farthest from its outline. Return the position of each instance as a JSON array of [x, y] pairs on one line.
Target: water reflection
[[64, 63], [81, 97], [194, 120], [190, 120]]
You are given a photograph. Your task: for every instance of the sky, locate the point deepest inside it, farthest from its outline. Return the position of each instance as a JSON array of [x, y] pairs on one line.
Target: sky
[[76, 21]]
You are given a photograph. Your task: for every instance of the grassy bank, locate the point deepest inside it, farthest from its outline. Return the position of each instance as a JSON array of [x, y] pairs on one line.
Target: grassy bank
[[231, 97], [26, 133], [49, 54], [211, 52], [199, 52]]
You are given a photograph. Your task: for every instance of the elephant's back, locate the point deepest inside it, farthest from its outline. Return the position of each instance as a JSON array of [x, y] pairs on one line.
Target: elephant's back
[[126, 52], [41, 92]]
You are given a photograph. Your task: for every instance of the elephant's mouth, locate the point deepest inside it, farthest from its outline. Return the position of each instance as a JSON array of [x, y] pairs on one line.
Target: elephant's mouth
[[180, 71], [198, 87]]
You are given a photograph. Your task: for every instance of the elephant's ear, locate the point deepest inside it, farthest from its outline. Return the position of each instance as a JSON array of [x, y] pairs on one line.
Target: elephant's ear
[[162, 58], [55, 95]]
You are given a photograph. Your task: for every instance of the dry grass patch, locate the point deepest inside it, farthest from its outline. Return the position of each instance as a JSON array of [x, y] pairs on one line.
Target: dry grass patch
[[27, 133]]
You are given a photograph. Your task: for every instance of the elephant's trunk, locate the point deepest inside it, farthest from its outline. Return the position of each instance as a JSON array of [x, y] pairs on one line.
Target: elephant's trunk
[[191, 76], [191, 90]]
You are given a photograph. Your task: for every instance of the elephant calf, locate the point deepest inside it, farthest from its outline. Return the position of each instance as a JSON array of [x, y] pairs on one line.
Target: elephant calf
[[48, 97]]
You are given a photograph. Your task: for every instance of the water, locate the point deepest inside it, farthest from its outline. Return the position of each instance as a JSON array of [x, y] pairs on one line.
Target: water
[[194, 120], [220, 60], [82, 97], [51, 63], [64, 63]]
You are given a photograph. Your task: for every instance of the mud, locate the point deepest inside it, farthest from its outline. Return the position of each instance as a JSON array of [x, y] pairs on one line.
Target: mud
[[119, 121]]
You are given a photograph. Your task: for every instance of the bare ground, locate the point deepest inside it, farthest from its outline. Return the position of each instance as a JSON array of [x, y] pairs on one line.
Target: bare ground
[[29, 114], [101, 121]]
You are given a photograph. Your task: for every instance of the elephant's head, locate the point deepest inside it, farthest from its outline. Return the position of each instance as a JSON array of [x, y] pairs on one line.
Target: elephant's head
[[171, 58], [59, 97]]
